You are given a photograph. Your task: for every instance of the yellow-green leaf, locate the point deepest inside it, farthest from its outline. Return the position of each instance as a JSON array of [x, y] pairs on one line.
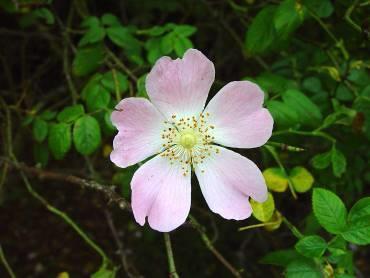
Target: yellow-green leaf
[[275, 221], [263, 211], [302, 180], [275, 179]]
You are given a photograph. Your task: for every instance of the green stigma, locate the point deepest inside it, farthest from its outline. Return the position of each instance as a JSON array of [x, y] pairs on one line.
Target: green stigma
[[188, 139]]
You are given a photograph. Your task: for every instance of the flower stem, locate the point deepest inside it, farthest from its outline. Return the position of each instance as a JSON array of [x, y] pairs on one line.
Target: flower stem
[[6, 264], [293, 228], [171, 261], [210, 246], [277, 159]]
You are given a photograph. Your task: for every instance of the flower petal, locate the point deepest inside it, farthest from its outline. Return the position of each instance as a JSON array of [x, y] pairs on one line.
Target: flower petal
[[139, 124], [180, 87], [161, 192], [237, 114], [227, 179]]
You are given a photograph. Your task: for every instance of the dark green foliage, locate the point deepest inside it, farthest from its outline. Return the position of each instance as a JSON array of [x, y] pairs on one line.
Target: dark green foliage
[[65, 65]]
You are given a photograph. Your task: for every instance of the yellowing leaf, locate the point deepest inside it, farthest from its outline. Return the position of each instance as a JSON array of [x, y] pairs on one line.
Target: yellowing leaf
[[275, 179], [263, 211], [302, 180], [63, 275], [276, 219]]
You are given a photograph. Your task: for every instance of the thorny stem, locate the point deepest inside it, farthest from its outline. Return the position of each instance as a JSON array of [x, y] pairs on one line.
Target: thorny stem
[[348, 18], [6, 264], [258, 225], [121, 65], [316, 133], [211, 248], [66, 68], [171, 261], [278, 161], [293, 228], [118, 243], [61, 214], [338, 43]]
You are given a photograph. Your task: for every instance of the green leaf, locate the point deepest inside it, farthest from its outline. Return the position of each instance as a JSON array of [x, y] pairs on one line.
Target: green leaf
[[108, 121], [48, 115], [185, 30], [263, 211], [45, 14], [358, 231], [181, 45], [311, 246], [112, 79], [140, 85], [312, 84], [86, 135], [122, 37], [153, 46], [280, 257], [360, 209], [93, 35], [273, 83], [87, 60], [71, 113], [339, 162], [97, 97], [323, 8], [275, 179], [322, 160], [261, 33], [288, 16], [283, 115], [167, 43], [307, 111], [104, 272], [59, 139], [90, 22], [155, 30], [329, 210], [110, 20], [40, 130], [301, 178], [337, 246], [303, 269]]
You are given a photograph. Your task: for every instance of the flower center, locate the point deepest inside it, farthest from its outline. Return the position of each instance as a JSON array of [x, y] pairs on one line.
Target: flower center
[[188, 139]]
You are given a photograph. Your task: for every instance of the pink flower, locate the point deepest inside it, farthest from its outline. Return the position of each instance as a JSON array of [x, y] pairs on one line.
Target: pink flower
[[183, 135]]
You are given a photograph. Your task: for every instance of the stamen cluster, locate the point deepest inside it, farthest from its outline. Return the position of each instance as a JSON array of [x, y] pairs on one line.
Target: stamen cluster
[[187, 140]]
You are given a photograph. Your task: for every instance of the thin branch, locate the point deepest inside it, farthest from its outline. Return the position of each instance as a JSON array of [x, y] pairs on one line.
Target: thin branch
[[6, 264], [119, 243], [211, 248], [171, 261], [107, 190]]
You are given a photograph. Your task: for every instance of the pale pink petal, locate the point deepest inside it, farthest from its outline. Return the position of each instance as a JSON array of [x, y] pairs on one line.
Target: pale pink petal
[[139, 127], [227, 179], [161, 192], [180, 87], [237, 114]]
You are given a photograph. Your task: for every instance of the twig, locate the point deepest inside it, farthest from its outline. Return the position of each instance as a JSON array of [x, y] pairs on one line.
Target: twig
[[61, 214], [107, 190], [121, 65], [118, 243], [6, 264], [211, 248], [348, 18], [293, 228], [171, 261], [66, 68]]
